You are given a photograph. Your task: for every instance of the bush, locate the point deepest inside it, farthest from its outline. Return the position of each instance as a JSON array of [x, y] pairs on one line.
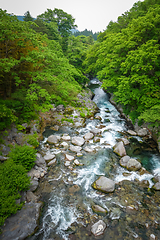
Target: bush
[[13, 179], [23, 155]]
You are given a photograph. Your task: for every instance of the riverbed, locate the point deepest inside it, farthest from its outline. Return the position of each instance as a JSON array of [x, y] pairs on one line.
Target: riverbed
[[132, 210]]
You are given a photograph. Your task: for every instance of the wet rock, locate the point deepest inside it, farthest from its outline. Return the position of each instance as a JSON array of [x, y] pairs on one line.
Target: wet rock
[[3, 158], [53, 139], [98, 228], [130, 132], [49, 157], [142, 132], [100, 126], [23, 223], [98, 117], [88, 136], [96, 131], [66, 137], [60, 108], [125, 141], [98, 209], [34, 185], [133, 165], [104, 184], [124, 160], [40, 162], [89, 149], [78, 141], [67, 163], [119, 149], [52, 162], [74, 189], [64, 145], [96, 139], [69, 157], [34, 173], [31, 197], [55, 128], [75, 148], [152, 237], [79, 154], [76, 162]]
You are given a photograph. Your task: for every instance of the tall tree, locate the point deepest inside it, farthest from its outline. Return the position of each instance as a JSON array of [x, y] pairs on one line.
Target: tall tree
[[27, 17]]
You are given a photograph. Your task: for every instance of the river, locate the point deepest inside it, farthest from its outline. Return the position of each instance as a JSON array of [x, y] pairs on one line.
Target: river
[[133, 209]]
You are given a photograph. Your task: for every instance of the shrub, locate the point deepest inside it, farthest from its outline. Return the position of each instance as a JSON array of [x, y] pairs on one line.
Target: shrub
[[13, 179], [23, 155]]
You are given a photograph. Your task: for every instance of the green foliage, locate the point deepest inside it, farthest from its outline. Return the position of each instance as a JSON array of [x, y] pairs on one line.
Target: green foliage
[[67, 120], [23, 155], [86, 33], [27, 17], [6, 116], [82, 114], [127, 60], [13, 179], [32, 139]]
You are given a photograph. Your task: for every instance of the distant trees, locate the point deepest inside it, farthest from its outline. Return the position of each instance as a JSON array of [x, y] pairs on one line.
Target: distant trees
[[27, 17], [87, 33]]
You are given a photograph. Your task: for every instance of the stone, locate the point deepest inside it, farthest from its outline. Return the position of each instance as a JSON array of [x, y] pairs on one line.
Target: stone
[[55, 128], [75, 148], [104, 184], [98, 228], [89, 149], [40, 162], [133, 165], [67, 163], [66, 137], [88, 136], [52, 162], [69, 157], [142, 132], [23, 223], [156, 186], [124, 160], [96, 131], [78, 141], [60, 108], [98, 117], [33, 185], [152, 237], [79, 154], [76, 162], [130, 132], [34, 173], [31, 197], [125, 141], [49, 157], [119, 149], [64, 145], [96, 139], [98, 209], [53, 139]]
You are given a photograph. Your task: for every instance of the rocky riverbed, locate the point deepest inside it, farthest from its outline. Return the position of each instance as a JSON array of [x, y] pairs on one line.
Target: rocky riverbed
[[89, 178]]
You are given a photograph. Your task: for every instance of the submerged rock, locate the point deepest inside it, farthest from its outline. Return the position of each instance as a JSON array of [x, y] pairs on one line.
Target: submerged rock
[[119, 149], [104, 184], [98, 228], [98, 209]]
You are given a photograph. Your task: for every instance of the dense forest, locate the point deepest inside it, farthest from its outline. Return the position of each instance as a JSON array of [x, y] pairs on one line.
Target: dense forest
[[43, 63], [126, 58]]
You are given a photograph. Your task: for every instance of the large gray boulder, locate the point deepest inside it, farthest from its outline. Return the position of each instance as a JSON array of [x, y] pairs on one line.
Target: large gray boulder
[[124, 160], [96, 131], [79, 141], [53, 139], [104, 184], [98, 228], [119, 149], [75, 148], [88, 136], [23, 223], [133, 165], [142, 132]]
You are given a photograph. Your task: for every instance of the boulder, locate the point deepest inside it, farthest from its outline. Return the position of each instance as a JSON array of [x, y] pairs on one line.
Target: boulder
[[52, 162], [31, 197], [33, 173], [75, 148], [49, 157], [119, 149], [33, 185], [69, 157], [23, 223], [78, 141], [130, 132], [66, 137], [98, 228], [53, 139], [96, 139], [76, 162], [124, 160], [125, 141], [133, 165], [142, 132], [89, 149], [104, 184], [60, 108], [64, 145], [98, 209], [88, 136], [67, 163], [40, 162], [96, 131], [156, 186]]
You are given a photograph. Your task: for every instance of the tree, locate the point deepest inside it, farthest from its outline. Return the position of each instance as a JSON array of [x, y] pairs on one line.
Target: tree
[[27, 17]]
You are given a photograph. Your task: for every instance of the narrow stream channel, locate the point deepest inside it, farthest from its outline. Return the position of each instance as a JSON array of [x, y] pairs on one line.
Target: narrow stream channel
[[133, 209]]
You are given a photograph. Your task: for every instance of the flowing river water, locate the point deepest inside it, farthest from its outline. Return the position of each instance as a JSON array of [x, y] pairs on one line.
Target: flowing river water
[[133, 209]]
